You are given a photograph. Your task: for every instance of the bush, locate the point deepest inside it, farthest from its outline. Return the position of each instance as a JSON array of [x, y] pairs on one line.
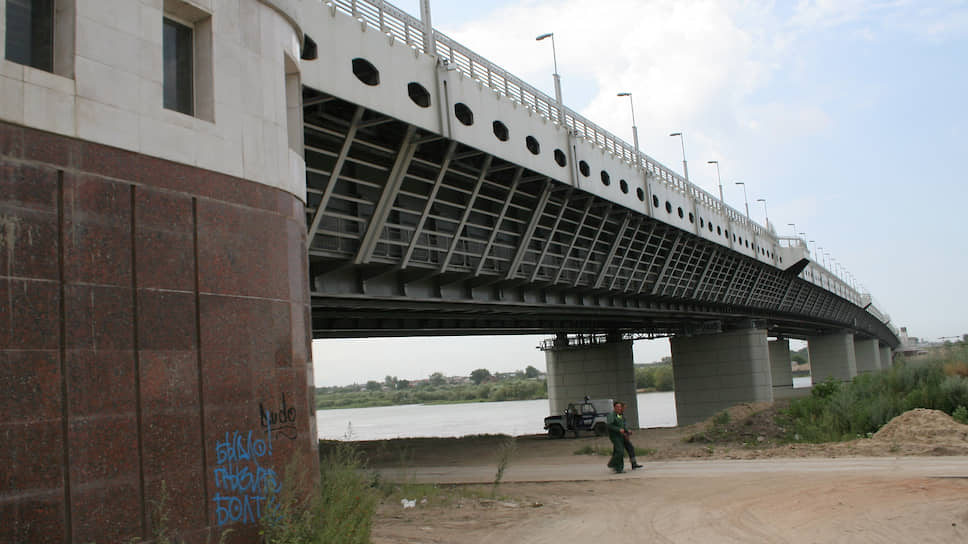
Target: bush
[[342, 511], [839, 411]]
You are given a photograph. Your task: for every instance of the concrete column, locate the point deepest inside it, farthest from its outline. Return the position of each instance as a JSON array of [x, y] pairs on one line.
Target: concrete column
[[781, 367], [601, 371], [867, 354], [832, 355], [715, 371], [887, 356]]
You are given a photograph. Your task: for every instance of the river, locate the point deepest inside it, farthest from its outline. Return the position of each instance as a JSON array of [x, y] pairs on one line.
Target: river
[[511, 417]]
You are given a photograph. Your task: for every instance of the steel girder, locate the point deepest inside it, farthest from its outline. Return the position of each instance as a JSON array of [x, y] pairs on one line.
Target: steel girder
[[410, 233]]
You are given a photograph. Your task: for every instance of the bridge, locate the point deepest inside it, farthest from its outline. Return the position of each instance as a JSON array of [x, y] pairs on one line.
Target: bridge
[[446, 196], [192, 191]]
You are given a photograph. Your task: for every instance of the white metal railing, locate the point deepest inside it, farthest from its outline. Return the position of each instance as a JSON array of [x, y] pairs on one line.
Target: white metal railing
[[409, 29], [392, 20]]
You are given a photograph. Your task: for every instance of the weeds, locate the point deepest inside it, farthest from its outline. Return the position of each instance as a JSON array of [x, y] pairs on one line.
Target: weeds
[[505, 451], [841, 411], [340, 512]]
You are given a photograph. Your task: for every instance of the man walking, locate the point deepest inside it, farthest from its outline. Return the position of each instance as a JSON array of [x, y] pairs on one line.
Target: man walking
[[618, 434]]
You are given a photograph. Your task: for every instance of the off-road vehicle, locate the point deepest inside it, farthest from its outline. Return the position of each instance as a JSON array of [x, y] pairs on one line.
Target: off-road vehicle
[[580, 416]]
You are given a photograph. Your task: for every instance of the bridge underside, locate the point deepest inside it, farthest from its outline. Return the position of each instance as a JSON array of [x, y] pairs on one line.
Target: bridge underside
[[414, 234]]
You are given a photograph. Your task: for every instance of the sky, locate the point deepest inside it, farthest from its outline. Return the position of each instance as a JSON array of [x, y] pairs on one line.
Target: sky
[[847, 116]]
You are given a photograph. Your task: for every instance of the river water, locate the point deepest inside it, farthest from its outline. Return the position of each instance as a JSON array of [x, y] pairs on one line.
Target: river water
[[511, 418]]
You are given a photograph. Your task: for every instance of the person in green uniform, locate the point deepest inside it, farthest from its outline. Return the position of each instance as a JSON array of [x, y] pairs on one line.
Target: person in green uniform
[[618, 434]]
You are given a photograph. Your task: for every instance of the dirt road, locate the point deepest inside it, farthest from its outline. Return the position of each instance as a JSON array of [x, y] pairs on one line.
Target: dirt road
[[908, 499], [908, 483]]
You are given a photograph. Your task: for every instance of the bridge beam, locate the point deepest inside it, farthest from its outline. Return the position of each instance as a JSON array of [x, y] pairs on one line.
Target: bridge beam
[[715, 371], [867, 354], [599, 371], [832, 355]]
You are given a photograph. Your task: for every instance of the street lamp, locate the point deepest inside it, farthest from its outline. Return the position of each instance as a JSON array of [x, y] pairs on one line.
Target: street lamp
[[554, 56], [817, 254], [685, 169], [718, 177], [635, 130], [765, 213], [794, 225], [746, 200]]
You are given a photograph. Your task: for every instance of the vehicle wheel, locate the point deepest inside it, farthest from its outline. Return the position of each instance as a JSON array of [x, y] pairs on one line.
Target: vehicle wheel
[[556, 431], [600, 429]]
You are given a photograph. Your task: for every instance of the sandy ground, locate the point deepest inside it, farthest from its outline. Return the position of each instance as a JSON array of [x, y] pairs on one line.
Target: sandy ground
[[908, 483]]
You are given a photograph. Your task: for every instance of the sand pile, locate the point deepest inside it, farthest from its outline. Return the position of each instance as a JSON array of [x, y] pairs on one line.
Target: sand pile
[[928, 428]]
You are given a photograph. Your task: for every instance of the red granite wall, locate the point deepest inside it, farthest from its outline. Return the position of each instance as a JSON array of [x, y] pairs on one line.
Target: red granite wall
[[150, 313]]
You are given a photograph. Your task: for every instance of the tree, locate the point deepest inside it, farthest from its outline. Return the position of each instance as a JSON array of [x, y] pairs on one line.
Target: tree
[[373, 385], [531, 372], [403, 384], [437, 379], [390, 381], [479, 375], [663, 378]]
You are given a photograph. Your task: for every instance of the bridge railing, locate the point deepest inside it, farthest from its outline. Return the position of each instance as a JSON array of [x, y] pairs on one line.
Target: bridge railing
[[409, 29], [392, 20]]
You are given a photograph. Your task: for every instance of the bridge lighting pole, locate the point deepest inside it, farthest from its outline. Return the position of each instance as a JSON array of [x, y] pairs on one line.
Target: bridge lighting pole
[[746, 200], [794, 225], [554, 56], [766, 214], [429, 43], [720, 178], [817, 253], [635, 130], [682, 142]]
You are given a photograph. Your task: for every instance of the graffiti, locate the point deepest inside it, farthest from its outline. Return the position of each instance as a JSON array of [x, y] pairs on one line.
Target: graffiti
[[282, 421], [244, 488]]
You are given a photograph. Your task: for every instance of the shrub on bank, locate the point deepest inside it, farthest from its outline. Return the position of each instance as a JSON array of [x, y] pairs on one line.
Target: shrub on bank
[[842, 411], [341, 512]]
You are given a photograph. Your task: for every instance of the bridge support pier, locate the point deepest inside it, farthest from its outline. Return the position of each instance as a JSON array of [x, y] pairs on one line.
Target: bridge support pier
[[832, 355], [867, 353], [599, 371], [716, 371], [887, 356], [781, 368]]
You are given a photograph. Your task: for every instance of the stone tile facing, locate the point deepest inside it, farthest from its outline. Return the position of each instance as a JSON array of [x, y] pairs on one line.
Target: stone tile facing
[[170, 305]]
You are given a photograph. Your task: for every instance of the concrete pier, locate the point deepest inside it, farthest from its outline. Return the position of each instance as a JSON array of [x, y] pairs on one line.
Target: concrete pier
[[867, 354], [833, 356], [887, 356], [598, 371], [781, 368], [716, 371]]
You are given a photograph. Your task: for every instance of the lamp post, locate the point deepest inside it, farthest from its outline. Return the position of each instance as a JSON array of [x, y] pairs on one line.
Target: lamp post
[[429, 41], [766, 214], [554, 56], [794, 225], [635, 130], [817, 254], [720, 178], [746, 200], [682, 142]]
